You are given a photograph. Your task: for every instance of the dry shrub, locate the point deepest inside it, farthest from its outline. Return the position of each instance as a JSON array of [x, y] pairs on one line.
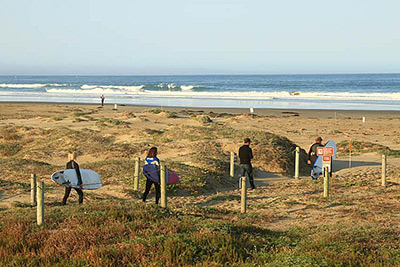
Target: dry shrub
[[9, 148], [9, 133]]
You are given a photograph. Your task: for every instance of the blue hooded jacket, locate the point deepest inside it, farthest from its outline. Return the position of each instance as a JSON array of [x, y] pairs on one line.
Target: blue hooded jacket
[[151, 170]]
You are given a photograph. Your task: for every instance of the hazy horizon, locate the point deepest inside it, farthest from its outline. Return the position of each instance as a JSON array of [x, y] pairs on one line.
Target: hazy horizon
[[199, 37], [217, 74]]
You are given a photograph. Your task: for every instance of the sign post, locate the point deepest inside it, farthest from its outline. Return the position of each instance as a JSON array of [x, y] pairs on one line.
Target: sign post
[[326, 153], [350, 149]]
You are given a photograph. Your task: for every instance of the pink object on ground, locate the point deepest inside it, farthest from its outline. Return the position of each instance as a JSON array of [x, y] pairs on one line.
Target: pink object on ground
[[173, 178]]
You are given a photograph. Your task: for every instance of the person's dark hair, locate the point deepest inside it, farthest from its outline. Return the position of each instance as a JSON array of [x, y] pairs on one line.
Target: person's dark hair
[[247, 140], [318, 139], [152, 152]]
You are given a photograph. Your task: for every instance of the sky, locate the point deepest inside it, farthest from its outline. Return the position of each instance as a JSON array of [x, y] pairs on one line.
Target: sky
[[129, 37]]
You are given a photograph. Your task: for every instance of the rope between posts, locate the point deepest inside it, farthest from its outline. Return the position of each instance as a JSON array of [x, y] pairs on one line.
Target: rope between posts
[[16, 195]]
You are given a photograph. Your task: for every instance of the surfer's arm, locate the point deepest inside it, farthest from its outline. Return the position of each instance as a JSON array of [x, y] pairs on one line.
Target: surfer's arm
[[309, 152], [78, 173], [251, 153]]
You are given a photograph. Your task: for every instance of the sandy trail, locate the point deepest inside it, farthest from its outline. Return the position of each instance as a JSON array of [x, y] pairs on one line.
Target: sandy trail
[[282, 200]]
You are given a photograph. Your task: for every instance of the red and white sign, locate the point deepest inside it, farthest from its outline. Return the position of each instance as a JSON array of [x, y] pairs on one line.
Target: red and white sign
[[328, 151], [325, 151], [326, 158]]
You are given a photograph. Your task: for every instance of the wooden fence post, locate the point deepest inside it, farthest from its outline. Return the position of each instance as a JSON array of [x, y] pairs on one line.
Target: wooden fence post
[[350, 149], [244, 196], [326, 182], [297, 163], [40, 203], [232, 166], [384, 170], [163, 184], [33, 189], [136, 175]]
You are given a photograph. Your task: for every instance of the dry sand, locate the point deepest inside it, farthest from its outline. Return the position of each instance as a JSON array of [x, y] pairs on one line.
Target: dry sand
[[285, 201]]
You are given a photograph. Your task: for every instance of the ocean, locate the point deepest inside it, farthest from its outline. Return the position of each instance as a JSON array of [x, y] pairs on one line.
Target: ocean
[[334, 91]]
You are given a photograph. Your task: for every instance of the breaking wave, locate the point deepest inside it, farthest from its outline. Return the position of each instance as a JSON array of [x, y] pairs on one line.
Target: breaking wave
[[119, 87], [187, 92]]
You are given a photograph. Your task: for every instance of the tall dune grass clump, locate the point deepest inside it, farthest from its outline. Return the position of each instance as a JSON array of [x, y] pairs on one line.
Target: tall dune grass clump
[[122, 234], [9, 148], [116, 233]]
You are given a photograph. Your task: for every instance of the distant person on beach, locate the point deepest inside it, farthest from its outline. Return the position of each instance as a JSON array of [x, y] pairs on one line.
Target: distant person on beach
[[102, 100], [71, 164], [245, 156], [312, 153], [152, 159]]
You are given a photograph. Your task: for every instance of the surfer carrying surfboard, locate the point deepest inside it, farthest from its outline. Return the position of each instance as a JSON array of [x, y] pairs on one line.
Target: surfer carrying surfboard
[[71, 164], [245, 156], [312, 153], [152, 160]]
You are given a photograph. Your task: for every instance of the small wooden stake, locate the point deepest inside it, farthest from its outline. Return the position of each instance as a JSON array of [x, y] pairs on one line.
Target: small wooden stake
[[326, 182], [384, 170], [244, 196], [40, 203], [136, 175], [232, 168], [33, 189], [297, 163], [163, 184], [350, 149]]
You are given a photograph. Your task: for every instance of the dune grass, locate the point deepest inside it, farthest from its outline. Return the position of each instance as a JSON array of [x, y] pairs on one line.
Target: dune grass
[[115, 233]]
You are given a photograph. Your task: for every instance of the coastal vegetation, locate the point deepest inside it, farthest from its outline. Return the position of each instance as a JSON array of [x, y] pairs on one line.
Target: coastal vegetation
[[114, 233], [288, 222]]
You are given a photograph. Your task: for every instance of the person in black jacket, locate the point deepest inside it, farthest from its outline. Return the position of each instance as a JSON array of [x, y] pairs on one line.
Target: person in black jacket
[[102, 100], [245, 156], [312, 153], [71, 164]]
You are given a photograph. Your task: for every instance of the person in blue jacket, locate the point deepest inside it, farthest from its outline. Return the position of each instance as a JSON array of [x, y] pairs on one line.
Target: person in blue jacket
[[152, 159]]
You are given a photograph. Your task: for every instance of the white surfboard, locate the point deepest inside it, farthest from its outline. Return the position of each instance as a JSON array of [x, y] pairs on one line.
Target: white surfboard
[[316, 170], [68, 178]]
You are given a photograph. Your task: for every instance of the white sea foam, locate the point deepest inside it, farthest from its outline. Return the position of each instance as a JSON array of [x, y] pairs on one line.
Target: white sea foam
[[187, 92], [171, 86], [96, 90], [187, 87], [119, 87], [326, 96]]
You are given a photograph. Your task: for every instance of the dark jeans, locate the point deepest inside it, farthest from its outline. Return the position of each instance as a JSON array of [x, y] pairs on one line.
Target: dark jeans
[[148, 186], [247, 168], [68, 191]]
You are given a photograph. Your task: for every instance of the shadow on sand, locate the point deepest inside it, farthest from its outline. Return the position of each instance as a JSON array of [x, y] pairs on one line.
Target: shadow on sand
[[344, 164]]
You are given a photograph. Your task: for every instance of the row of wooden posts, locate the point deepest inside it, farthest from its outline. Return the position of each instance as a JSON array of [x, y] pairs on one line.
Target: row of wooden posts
[[37, 189], [327, 175], [163, 181]]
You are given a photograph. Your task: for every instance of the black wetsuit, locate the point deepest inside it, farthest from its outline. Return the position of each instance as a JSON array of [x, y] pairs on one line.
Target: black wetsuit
[[73, 165], [245, 156], [149, 183], [312, 153]]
